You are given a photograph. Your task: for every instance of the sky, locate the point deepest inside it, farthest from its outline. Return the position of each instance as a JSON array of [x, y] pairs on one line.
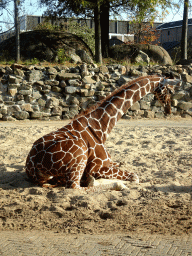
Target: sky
[[31, 7]]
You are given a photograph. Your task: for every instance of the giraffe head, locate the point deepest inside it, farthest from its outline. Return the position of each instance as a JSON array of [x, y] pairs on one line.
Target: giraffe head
[[164, 91]]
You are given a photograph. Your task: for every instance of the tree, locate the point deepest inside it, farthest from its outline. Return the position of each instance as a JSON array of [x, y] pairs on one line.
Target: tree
[[3, 5], [184, 31], [146, 34], [79, 8], [17, 30], [87, 8], [97, 19]]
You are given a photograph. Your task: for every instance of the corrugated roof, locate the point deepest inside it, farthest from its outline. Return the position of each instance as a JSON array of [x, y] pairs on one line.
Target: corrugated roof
[[173, 24]]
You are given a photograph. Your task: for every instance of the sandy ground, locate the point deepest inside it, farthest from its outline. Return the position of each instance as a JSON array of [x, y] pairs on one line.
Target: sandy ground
[[159, 151]]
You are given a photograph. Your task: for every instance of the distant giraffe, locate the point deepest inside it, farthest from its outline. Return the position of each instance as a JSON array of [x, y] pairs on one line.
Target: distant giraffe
[[76, 151]]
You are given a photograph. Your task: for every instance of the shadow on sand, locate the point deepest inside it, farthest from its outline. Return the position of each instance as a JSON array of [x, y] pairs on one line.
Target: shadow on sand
[[14, 179]]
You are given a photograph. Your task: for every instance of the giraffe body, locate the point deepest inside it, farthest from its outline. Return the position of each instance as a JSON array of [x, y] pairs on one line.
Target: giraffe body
[[76, 151]]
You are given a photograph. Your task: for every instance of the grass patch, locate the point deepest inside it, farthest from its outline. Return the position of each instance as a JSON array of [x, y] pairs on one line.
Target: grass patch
[[63, 60]]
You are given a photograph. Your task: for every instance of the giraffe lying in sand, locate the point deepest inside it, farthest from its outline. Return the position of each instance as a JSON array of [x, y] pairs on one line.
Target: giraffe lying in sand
[[76, 151]]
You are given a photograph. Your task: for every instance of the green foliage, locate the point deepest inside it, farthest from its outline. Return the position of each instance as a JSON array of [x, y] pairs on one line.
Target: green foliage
[[5, 62], [45, 26], [62, 56], [137, 10], [34, 61], [83, 31], [126, 62], [176, 51]]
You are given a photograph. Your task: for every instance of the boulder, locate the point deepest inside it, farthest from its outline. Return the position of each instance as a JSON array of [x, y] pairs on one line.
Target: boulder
[[88, 80], [145, 105], [45, 45], [186, 78], [184, 105], [85, 57], [52, 102], [21, 115], [66, 76], [158, 54], [37, 115], [136, 106], [73, 89], [34, 75], [75, 58], [142, 57], [154, 52]]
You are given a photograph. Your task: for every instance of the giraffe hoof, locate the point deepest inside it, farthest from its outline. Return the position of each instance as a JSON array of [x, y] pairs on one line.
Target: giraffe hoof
[[119, 186], [134, 178], [90, 181]]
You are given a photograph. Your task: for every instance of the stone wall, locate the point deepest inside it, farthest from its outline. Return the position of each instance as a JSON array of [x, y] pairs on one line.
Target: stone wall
[[54, 93]]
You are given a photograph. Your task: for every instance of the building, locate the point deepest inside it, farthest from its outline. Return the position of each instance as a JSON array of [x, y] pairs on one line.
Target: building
[[118, 29], [170, 33]]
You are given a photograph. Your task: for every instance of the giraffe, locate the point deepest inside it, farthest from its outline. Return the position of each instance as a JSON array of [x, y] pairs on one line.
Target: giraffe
[[76, 151]]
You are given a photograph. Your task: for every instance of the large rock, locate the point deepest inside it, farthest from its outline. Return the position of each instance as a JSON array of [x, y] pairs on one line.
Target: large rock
[[21, 115], [73, 89], [135, 106], [157, 54], [34, 75], [88, 80], [184, 105], [45, 45], [66, 76], [186, 78], [37, 115], [85, 57], [142, 57], [154, 52]]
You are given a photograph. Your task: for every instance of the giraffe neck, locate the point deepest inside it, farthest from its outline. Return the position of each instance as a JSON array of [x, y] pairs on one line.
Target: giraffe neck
[[106, 115]]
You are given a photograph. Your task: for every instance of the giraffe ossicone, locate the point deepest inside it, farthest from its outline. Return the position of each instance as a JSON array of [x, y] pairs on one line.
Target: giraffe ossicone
[[71, 154]]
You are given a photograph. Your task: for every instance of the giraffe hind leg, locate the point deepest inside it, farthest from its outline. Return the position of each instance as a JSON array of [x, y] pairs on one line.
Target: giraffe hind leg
[[41, 178], [53, 182]]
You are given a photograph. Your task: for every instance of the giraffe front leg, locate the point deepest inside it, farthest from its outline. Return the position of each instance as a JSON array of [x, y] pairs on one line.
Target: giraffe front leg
[[114, 173], [111, 163]]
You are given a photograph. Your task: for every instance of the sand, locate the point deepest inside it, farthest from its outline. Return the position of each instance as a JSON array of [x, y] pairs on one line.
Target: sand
[[159, 151]]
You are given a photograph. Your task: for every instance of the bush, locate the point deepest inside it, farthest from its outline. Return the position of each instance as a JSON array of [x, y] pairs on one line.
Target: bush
[[83, 31], [62, 57]]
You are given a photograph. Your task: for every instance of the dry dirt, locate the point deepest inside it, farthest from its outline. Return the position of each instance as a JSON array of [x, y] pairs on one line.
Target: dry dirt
[[159, 151]]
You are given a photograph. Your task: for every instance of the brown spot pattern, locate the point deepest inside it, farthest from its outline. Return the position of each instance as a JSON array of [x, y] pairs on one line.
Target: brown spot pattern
[[63, 157]]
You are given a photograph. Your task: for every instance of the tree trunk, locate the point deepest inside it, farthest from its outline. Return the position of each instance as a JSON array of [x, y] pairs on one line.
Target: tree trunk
[[184, 31], [98, 52], [105, 28], [17, 31]]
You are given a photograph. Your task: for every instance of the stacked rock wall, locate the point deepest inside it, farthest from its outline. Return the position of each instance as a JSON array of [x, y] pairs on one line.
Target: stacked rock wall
[[54, 93]]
